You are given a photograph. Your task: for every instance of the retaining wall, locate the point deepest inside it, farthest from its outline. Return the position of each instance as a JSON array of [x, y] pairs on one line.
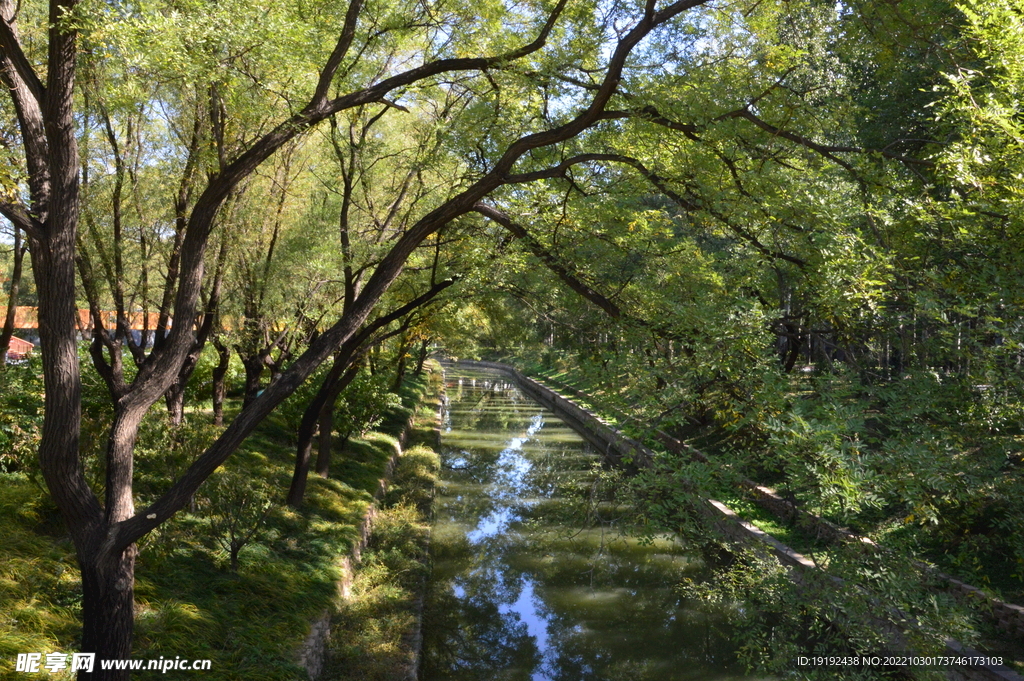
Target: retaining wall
[[1006, 616], [620, 448], [313, 653]]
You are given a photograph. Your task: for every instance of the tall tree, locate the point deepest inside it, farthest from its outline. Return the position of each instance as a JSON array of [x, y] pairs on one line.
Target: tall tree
[[18, 251], [105, 531]]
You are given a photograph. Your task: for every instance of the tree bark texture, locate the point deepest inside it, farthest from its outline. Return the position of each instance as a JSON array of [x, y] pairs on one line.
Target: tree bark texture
[[327, 394], [253, 372], [326, 438], [220, 373], [421, 360], [105, 535], [108, 610], [326, 419]]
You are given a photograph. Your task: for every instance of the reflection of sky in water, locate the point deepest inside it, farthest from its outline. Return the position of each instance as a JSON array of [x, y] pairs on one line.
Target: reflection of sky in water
[[512, 597], [509, 485], [526, 610]]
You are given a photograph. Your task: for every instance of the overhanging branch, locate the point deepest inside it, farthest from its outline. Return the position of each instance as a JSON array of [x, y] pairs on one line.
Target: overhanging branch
[[549, 259]]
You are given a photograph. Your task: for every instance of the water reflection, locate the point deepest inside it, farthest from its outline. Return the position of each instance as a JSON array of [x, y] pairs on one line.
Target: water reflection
[[520, 590]]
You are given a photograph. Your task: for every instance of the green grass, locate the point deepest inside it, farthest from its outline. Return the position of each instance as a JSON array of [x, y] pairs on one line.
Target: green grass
[[250, 624], [587, 396], [992, 570], [790, 534], [370, 632], [40, 588]]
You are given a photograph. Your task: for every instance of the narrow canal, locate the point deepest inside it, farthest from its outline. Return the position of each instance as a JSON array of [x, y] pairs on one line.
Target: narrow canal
[[524, 586]]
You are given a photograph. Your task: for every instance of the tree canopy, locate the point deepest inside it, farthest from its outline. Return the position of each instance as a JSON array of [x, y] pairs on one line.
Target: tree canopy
[[787, 230]]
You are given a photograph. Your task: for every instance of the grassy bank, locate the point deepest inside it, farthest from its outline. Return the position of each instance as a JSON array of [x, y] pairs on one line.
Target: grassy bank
[[904, 539], [372, 634], [190, 602]]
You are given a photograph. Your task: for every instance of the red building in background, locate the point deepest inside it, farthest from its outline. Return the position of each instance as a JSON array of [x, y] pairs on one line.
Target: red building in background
[[19, 349]]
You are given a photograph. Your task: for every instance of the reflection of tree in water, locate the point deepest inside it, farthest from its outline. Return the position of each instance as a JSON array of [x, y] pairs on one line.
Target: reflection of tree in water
[[544, 586], [556, 467], [603, 646], [488, 407], [467, 469], [471, 638]]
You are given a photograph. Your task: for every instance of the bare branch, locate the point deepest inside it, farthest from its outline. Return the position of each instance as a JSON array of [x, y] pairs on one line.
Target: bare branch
[[348, 33], [11, 46], [19, 216], [692, 131], [828, 151], [560, 170]]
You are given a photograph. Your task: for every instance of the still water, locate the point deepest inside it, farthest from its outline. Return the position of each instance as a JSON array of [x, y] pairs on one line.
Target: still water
[[526, 584]]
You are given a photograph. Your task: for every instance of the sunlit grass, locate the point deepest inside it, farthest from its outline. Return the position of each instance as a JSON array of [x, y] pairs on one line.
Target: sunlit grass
[[370, 631], [40, 606], [250, 624]]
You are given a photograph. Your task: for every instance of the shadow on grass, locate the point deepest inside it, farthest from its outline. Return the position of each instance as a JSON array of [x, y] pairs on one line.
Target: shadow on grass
[[190, 604], [250, 624], [370, 633]]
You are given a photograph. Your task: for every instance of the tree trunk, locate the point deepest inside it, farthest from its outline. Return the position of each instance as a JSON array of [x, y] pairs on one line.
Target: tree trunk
[[796, 343], [108, 611], [333, 385], [219, 386], [371, 361], [297, 490], [422, 359], [108, 574], [396, 386], [328, 393], [175, 395], [174, 398], [323, 454], [403, 353], [12, 300], [323, 459], [253, 372]]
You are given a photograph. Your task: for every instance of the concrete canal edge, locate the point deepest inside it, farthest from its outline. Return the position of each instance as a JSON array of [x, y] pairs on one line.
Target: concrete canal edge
[[1005, 616], [313, 652], [413, 639], [620, 448]]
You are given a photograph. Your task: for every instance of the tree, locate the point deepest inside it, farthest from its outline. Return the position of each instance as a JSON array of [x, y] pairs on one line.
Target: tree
[[7, 332], [105, 531], [238, 509]]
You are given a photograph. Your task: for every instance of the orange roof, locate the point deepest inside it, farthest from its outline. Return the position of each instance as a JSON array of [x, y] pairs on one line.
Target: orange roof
[[28, 318], [25, 318]]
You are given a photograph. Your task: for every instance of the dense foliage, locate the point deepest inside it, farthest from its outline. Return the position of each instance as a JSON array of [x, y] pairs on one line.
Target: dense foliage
[[786, 231]]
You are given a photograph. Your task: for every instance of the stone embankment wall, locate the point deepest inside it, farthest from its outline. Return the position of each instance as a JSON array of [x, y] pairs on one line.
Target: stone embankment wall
[[620, 448], [1006, 616], [313, 653]]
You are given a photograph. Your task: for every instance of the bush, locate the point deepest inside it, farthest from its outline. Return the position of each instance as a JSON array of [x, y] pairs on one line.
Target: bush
[[237, 506], [21, 414]]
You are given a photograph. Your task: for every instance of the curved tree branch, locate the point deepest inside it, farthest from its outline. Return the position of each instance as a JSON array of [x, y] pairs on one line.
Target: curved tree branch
[[387, 271], [549, 259]]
